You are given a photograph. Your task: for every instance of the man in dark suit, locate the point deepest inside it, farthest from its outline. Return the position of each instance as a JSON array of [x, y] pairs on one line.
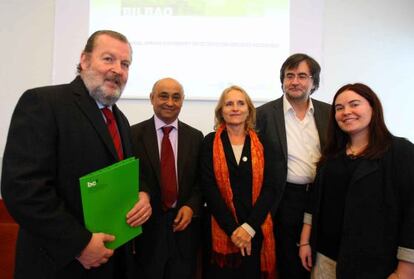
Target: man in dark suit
[[58, 134], [293, 130], [167, 247]]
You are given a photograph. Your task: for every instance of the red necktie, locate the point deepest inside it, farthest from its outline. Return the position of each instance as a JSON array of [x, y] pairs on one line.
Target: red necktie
[[168, 176], [113, 131]]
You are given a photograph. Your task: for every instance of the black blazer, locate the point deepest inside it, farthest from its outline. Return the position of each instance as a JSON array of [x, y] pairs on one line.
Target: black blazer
[[57, 134], [378, 213], [241, 183], [270, 124], [145, 147]]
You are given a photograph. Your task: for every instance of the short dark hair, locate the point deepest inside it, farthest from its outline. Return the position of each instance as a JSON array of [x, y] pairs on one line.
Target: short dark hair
[[293, 61], [379, 135], [91, 42]]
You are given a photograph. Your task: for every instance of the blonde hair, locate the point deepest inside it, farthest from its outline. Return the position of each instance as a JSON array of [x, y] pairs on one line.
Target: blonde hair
[[218, 112]]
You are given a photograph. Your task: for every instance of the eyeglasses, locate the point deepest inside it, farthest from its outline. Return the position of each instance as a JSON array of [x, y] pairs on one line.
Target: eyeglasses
[[301, 77]]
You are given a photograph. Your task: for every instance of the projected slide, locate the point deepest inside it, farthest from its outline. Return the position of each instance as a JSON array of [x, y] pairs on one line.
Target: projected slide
[[207, 45]]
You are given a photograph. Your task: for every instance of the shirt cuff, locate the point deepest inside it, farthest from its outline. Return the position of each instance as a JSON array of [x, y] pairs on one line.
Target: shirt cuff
[[248, 229], [405, 254], [307, 218]]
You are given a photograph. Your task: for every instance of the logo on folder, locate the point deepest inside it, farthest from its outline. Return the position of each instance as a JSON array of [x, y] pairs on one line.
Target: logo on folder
[[91, 183]]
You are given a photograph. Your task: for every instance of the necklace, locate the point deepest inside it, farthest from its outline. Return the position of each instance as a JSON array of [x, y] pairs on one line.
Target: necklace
[[352, 153]]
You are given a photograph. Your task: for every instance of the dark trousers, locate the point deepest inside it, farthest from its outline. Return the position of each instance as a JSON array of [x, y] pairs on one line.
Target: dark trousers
[[249, 267], [116, 267], [288, 224], [158, 255]]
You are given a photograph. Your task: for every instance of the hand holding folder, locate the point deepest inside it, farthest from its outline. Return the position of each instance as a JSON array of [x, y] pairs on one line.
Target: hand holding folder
[[107, 196]]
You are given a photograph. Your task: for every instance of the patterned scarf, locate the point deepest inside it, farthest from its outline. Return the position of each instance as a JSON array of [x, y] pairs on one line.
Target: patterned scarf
[[222, 244]]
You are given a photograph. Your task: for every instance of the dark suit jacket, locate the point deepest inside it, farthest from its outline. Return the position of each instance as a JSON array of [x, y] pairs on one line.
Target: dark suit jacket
[[145, 145], [57, 134], [270, 124], [241, 184], [378, 213]]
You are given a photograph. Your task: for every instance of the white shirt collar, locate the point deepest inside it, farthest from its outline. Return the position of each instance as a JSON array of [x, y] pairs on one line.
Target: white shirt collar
[[101, 106], [288, 107], [159, 123]]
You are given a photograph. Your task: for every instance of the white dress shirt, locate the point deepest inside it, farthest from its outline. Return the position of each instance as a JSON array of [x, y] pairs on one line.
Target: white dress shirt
[[303, 145]]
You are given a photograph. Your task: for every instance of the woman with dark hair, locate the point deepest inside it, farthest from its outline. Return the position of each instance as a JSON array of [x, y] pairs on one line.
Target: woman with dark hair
[[360, 223], [238, 193]]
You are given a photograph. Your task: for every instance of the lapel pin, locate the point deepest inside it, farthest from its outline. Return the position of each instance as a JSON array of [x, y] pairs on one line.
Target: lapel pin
[[244, 159]]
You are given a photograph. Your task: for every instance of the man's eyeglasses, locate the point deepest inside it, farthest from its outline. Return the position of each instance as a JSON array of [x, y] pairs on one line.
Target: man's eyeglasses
[[300, 77]]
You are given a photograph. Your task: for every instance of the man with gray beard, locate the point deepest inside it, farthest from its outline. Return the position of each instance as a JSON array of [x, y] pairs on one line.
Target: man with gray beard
[[58, 134]]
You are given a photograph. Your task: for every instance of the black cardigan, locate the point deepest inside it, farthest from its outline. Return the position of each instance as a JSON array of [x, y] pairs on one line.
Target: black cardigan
[[378, 213]]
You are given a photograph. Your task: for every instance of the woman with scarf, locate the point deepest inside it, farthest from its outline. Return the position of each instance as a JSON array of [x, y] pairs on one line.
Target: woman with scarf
[[238, 191]]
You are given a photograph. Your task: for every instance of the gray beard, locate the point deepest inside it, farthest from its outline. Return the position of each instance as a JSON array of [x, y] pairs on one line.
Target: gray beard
[[96, 92], [105, 99]]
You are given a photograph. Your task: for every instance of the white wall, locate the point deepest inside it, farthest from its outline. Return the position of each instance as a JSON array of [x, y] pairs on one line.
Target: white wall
[[372, 41], [363, 40], [26, 32]]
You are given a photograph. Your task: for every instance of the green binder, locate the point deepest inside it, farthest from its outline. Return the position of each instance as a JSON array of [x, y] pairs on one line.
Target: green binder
[[107, 196]]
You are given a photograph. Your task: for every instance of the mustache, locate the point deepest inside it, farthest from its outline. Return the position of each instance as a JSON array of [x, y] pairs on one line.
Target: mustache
[[115, 78]]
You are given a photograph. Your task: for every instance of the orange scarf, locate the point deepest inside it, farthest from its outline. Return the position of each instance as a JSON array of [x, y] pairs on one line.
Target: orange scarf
[[221, 243]]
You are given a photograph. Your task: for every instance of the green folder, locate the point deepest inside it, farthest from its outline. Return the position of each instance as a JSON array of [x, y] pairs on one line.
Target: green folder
[[107, 196]]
